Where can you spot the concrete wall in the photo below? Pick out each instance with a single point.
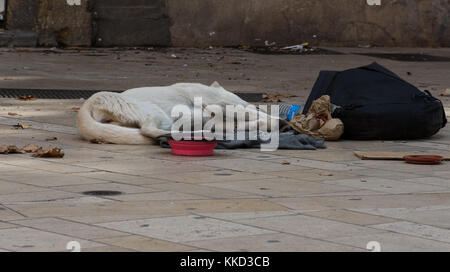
(59, 23)
(325, 22)
(233, 22)
(54, 21)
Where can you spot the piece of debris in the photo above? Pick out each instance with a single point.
(75, 109)
(326, 174)
(270, 44)
(98, 142)
(296, 48)
(51, 139)
(318, 121)
(26, 98)
(285, 163)
(12, 149)
(31, 148)
(12, 114)
(276, 97)
(446, 92)
(20, 126)
(386, 155)
(51, 152)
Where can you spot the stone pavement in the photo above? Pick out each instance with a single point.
(238, 200)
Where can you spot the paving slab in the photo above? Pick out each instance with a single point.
(395, 242)
(140, 209)
(212, 176)
(351, 217)
(307, 226)
(31, 240)
(185, 228)
(46, 196)
(364, 201)
(443, 182)
(418, 230)
(438, 216)
(313, 175)
(248, 165)
(388, 185)
(272, 243)
(7, 225)
(279, 187)
(46, 179)
(317, 164)
(204, 190)
(103, 176)
(69, 228)
(145, 244)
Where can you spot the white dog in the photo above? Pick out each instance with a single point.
(139, 116)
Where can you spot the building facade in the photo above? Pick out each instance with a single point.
(225, 23)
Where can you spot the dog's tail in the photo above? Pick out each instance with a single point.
(114, 107)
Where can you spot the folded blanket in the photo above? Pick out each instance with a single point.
(288, 140)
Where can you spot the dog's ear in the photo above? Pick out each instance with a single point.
(216, 85)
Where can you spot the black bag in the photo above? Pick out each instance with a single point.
(378, 105)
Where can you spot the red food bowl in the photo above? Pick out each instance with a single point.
(423, 159)
(193, 148)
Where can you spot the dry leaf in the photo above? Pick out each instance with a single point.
(285, 163)
(51, 152)
(75, 109)
(12, 114)
(446, 92)
(12, 149)
(27, 98)
(276, 97)
(31, 148)
(4, 149)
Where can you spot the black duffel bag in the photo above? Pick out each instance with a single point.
(376, 104)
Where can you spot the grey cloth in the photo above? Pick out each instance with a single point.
(288, 140)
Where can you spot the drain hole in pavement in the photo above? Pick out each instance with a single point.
(102, 193)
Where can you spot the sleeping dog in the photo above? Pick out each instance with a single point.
(140, 116)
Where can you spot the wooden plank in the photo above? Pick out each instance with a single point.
(386, 155)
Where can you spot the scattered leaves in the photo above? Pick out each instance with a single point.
(12, 149)
(26, 98)
(39, 152)
(31, 148)
(51, 152)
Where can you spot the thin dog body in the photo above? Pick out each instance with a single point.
(140, 116)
